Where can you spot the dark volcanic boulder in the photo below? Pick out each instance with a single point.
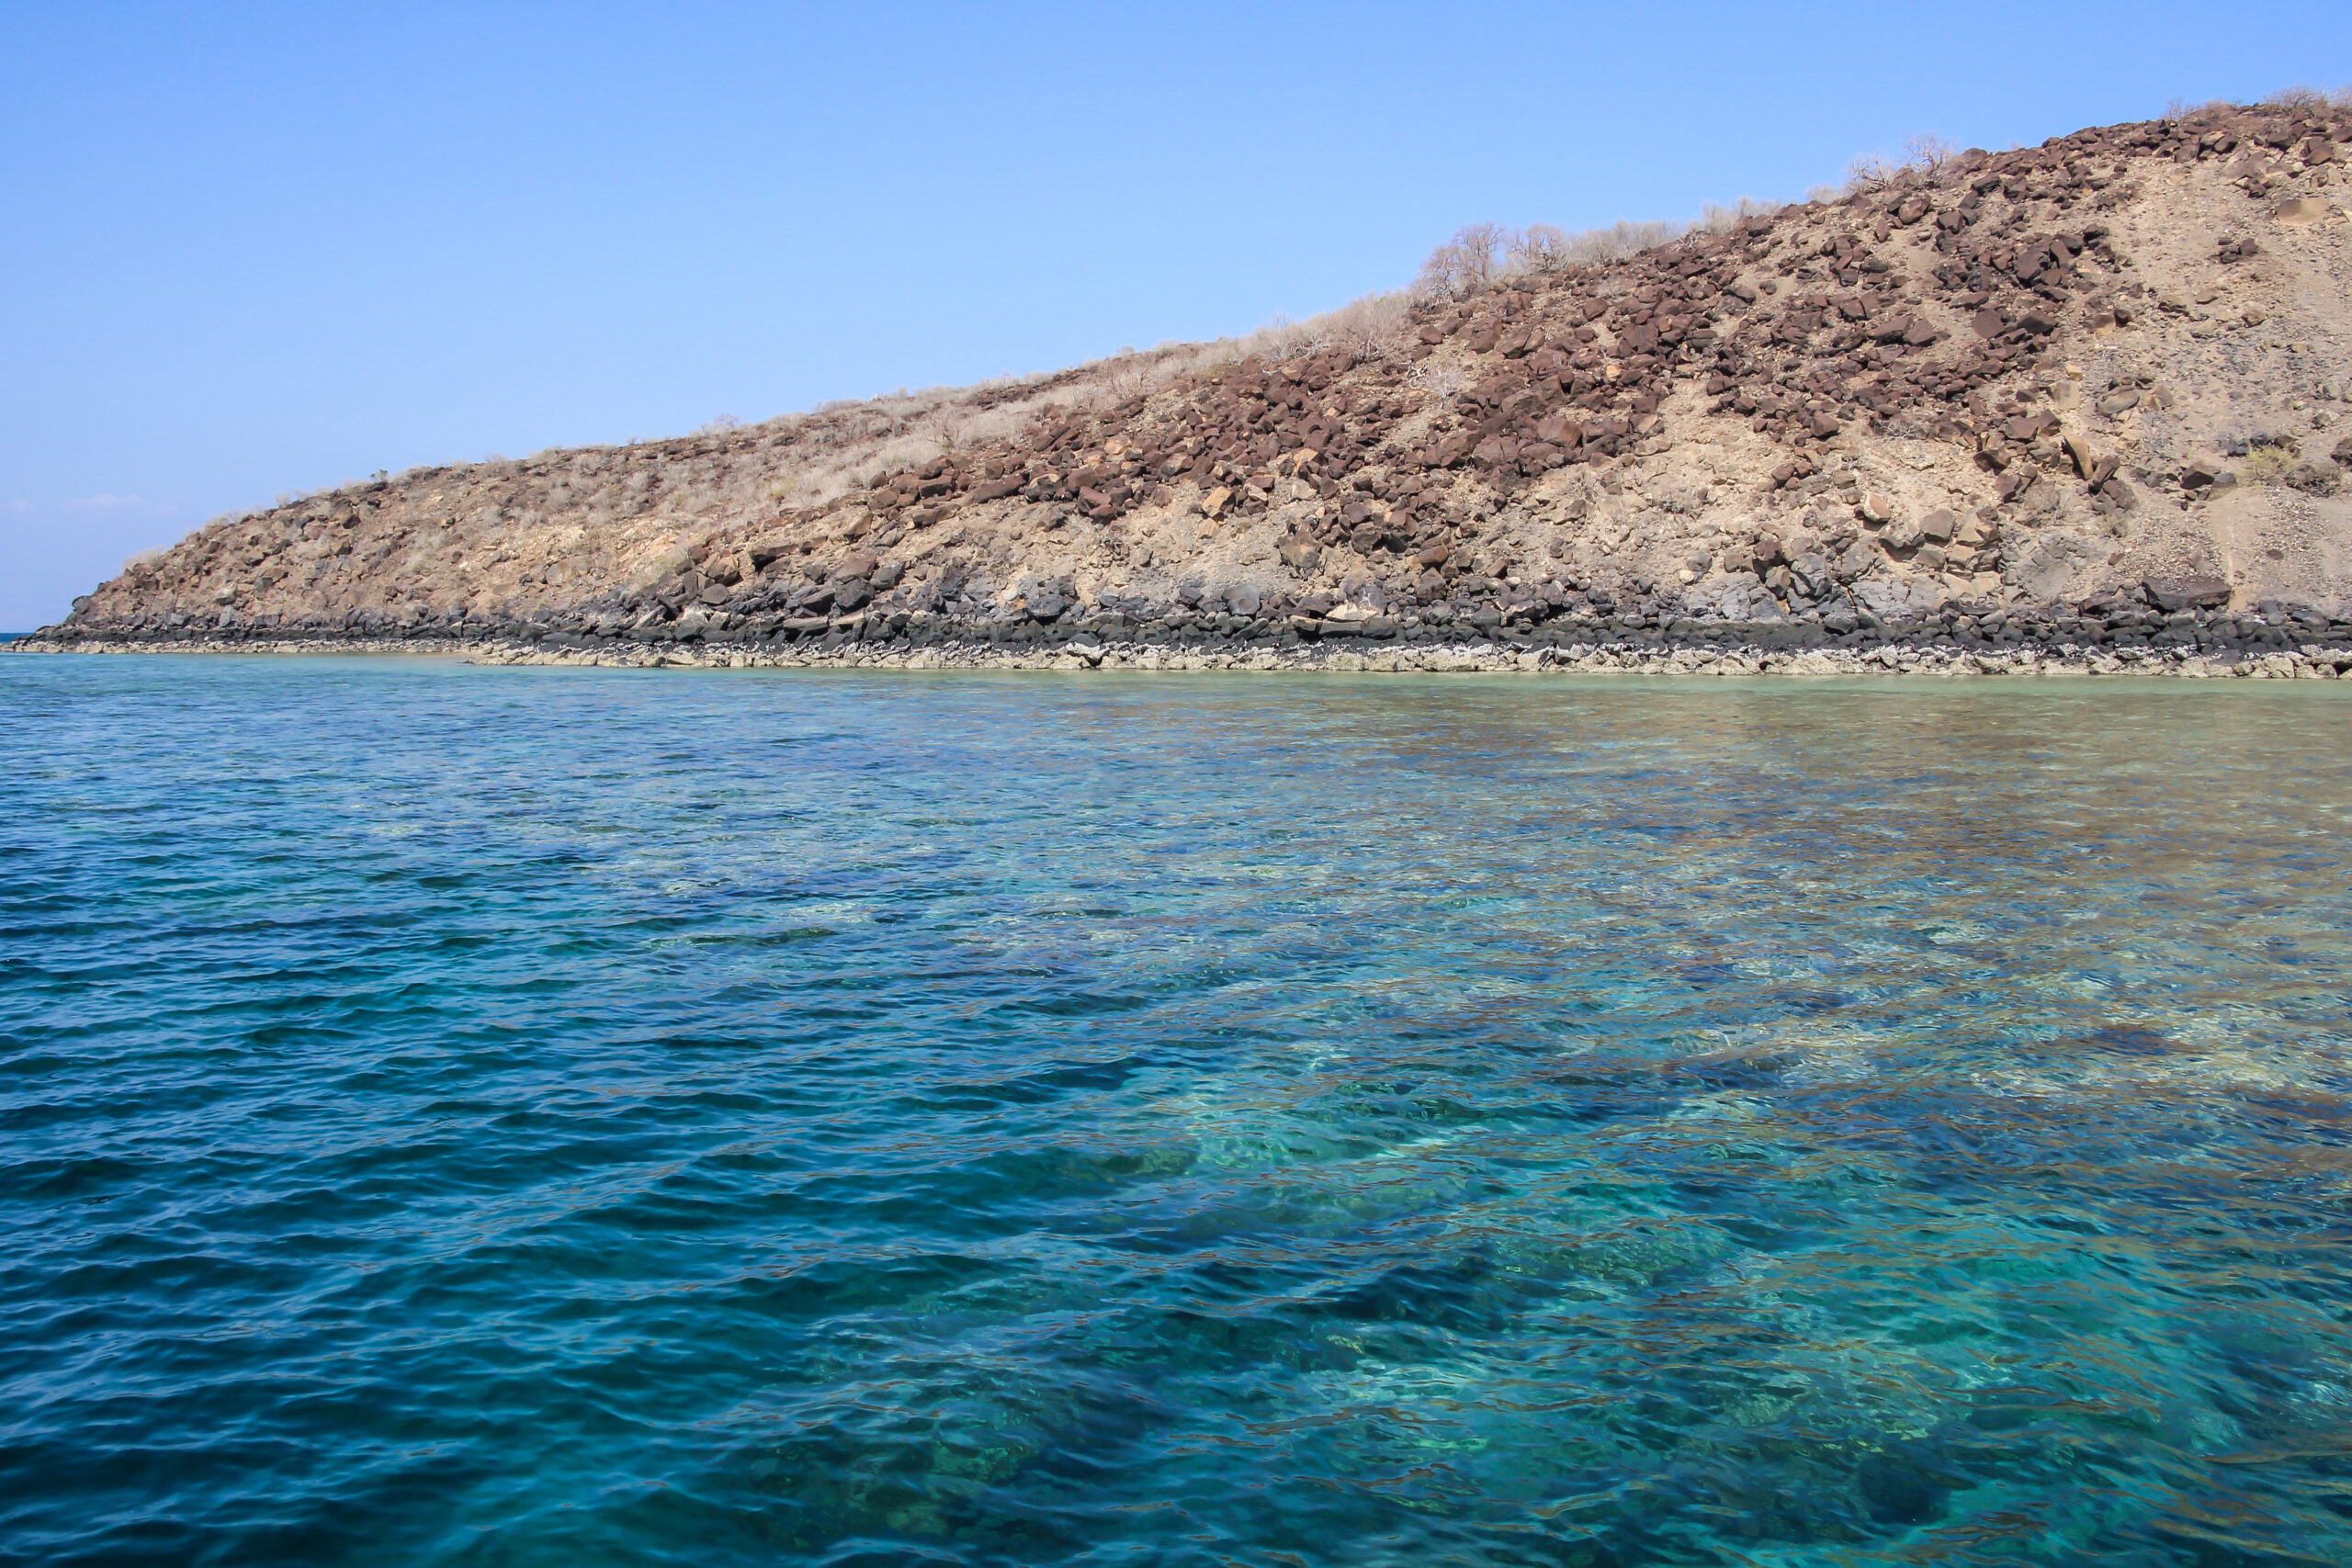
(2188, 592)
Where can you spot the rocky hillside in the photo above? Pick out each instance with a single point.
(2096, 380)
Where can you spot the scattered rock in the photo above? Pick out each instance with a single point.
(2188, 592)
(2095, 469)
(2312, 478)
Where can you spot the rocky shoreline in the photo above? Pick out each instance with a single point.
(2082, 397)
(2055, 642)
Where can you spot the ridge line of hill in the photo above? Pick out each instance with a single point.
(2093, 381)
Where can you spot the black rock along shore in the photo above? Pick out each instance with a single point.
(2115, 639)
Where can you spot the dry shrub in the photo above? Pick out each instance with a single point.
(1872, 172)
(1464, 264)
(1928, 153)
(1482, 254)
(2299, 100)
(1439, 381)
(1619, 240)
(2267, 459)
(1369, 328)
(1716, 217)
(1924, 155)
(1539, 248)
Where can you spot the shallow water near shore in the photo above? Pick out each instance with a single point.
(514, 1117)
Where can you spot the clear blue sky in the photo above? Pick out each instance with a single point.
(253, 249)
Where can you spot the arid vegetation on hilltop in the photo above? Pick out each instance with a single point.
(1969, 385)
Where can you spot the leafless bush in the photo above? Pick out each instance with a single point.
(1125, 375)
(1928, 153)
(1871, 172)
(1441, 275)
(1278, 337)
(1482, 246)
(1439, 381)
(993, 424)
(2297, 100)
(1538, 248)
(1368, 328)
(1716, 217)
(1598, 247)
(1925, 153)
(1470, 260)
(1464, 264)
(946, 429)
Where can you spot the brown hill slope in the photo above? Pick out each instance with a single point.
(2101, 377)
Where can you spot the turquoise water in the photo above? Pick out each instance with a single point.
(586, 1117)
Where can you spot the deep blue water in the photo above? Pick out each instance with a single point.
(593, 1117)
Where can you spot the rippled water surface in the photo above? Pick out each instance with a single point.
(586, 1117)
